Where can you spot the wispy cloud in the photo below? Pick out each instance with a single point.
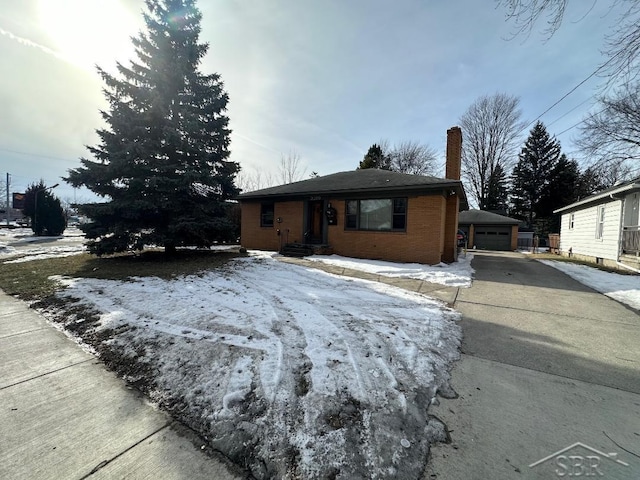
(32, 44)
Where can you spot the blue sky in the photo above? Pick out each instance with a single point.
(322, 79)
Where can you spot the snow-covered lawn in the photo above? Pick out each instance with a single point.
(623, 288)
(20, 242)
(457, 274)
(290, 371)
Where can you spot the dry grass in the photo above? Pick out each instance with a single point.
(31, 280)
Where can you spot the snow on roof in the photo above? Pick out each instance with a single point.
(478, 217)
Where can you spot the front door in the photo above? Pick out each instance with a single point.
(315, 223)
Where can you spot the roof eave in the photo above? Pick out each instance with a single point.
(425, 188)
(599, 196)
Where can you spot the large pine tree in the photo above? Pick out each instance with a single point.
(532, 174)
(162, 163)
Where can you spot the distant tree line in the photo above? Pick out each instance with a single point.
(530, 184)
(405, 157)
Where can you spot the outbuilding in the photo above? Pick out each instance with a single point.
(489, 231)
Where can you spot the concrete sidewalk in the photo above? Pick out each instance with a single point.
(63, 416)
(447, 294)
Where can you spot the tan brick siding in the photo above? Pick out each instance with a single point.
(421, 243)
(450, 238)
(514, 237)
(255, 237)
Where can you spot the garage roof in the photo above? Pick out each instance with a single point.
(482, 217)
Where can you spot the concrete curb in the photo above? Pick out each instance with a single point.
(63, 415)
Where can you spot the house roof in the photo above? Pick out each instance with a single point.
(607, 194)
(482, 217)
(359, 182)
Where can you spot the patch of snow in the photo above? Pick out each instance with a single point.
(457, 274)
(47, 252)
(623, 288)
(297, 373)
(21, 242)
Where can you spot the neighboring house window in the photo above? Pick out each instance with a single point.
(382, 214)
(572, 218)
(600, 225)
(266, 215)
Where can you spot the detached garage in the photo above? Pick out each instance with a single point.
(489, 231)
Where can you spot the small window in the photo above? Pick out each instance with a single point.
(572, 219)
(351, 215)
(600, 224)
(266, 215)
(399, 213)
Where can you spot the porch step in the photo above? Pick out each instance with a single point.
(297, 250)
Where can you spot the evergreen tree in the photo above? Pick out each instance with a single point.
(590, 182)
(532, 174)
(561, 190)
(44, 210)
(162, 164)
(497, 191)
(375, 158)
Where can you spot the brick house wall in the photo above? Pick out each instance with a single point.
(422, 242)
(255, 237)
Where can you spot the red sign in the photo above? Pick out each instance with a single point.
(18, 201)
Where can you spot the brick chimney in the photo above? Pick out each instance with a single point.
(454, 153)
(452, 202)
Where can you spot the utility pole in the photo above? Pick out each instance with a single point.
(8, 210)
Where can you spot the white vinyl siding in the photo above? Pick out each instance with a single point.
(582, 237)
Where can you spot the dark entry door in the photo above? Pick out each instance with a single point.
(314, 232)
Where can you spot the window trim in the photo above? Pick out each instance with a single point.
(572, 220)
(600, 222)
(351, 216)
(263, 214)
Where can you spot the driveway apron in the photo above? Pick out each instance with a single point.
(546, 362)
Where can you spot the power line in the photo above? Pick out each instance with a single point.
(572, 90)
(32, 154)
(568, 112)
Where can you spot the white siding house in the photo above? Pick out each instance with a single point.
(605, 227)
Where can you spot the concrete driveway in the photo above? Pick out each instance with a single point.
(547, 362)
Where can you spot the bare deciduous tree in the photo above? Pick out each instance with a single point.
(291, 169)
(411, 157)
(250, 181)
(611, 136)
(622, 47)
(491, 130)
